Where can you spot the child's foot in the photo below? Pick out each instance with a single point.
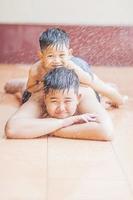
(13, 86)
(117, 98)
(116, 105)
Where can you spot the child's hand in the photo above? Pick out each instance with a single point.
(69, 64)
(80, 119)
(84, 118)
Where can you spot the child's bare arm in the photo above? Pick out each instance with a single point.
(97, 84)
(27, 122)
(85, 78)
(32, 79)
(90, 130)
(99, 129)
(36, 73)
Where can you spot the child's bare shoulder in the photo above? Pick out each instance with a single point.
(35, 68)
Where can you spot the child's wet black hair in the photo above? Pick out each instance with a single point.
(53, 37)
(61, 79)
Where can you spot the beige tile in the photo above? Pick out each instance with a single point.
(9, 100)
(122, 119)
(123, 148)
(8, 106)
(5, 75)
(20, 71)
(8, 72)
(23, 169)
(1, 96)
(83, 189)
(71, 159)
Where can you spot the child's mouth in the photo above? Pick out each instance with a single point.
(61, 115)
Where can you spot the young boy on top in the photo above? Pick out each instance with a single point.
(55, 51)
(62, 97)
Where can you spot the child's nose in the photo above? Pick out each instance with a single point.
(57, 60)
(61, 107)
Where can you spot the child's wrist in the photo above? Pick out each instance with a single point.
(67, 121)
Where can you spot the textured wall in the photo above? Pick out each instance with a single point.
(98, 45)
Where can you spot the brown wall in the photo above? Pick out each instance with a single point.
(98, 45)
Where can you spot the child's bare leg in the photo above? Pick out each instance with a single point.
(109, 91)
(108, 103)
(15, 86)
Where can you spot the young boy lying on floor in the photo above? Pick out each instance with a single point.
(63, 109)
(55, 51)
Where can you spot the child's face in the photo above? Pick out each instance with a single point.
(61, 104)
(54, 56)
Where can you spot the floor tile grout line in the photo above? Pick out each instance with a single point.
(122, 168)
(47, 170)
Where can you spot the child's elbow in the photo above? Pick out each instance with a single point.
(10, 130)
(108, 132)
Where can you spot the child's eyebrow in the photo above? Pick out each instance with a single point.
(53, 98)
(49, 53)
(64, 98)
(68, 98)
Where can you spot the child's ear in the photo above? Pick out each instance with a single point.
(79, 98)
(40, 55)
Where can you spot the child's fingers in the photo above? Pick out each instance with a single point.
(89, 118)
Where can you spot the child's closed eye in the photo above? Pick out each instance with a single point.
(50, 56)
(53, 101)
(68, 101)
(62, 55)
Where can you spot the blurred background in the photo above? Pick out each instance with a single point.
(101, 32)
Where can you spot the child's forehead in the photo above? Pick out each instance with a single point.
(61, 93)
(56, 47)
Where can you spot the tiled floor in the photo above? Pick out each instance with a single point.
(65, 169)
